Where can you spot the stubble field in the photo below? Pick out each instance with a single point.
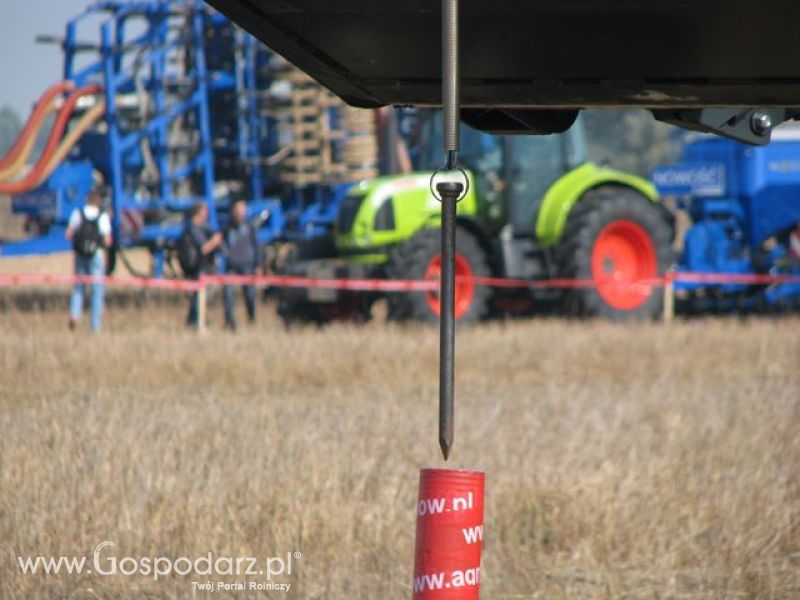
(640, 461)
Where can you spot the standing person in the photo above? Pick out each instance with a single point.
(196, 247)
(243, 257)
(89, 230)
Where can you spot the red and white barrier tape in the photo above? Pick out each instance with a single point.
(48, 280)
(381, 285)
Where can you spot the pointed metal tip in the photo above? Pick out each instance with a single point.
(445, 445)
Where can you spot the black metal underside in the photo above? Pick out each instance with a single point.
(541, 53)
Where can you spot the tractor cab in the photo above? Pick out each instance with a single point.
(511, 174)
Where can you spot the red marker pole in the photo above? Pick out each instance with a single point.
(447, 561)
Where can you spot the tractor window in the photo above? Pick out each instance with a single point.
(576, 148)
(533, 164)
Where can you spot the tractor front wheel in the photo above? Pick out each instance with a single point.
(420, 258)
(622, 242)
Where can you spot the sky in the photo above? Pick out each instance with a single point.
(28, 68)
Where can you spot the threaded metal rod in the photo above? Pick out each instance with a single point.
(450, 77)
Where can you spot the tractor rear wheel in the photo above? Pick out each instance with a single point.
(420, 258)
(616, 237)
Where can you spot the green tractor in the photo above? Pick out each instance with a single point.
(536, 208)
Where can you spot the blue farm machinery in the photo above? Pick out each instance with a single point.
(173, 104)
(743, 204)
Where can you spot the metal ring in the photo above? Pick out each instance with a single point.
(466, 186)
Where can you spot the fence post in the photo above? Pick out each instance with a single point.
(669, 297)
(201, 305)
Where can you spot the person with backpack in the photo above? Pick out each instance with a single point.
(196, 247)
(89, 231)
(243, 257)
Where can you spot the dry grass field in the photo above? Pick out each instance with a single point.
(642, 461)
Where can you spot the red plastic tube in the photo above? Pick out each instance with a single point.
(32, 179)
(447, 559)
(33, 124)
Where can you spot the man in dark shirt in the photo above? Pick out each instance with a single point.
(243, 257)
(206, 242)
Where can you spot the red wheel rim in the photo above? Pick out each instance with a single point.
(465, 287)
(623, 254)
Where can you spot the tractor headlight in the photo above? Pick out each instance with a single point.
(384, 218)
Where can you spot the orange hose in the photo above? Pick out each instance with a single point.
(56, 132)
(47, 164)
(64, 115)
(14, 168)
(89, 118)
(45, 102)
(20, 151)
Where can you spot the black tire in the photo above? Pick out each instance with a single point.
(411, 260)
(295, 311)
(353, 308)
(293, 305)
(598, 209)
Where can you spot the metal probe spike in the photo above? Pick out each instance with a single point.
(450, 193)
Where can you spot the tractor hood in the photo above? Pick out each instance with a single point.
(522, 56)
